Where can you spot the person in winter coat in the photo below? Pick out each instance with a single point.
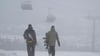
(52, 37)
(30, 37)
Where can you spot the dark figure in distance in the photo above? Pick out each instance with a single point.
(51, 38)
(30, 37)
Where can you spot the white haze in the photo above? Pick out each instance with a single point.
(74, 29)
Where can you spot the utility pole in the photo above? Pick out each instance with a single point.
(93, 34)
(93, 18)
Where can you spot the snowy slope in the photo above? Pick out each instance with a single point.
(44, 53)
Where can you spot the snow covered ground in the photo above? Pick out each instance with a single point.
(44, 53)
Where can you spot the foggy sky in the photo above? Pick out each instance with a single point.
(11, 12)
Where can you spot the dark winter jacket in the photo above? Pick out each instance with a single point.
(30, 35)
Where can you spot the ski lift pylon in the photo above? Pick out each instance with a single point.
(50, 18)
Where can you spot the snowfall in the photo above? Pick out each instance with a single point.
(44, 53)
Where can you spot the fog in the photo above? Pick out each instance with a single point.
(73, 20)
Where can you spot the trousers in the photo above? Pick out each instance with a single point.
(30, 50)
(51, 50)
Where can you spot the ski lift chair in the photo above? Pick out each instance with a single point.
(26, 5)
(50, 18)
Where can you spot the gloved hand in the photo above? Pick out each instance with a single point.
(29, 41)
(58, 43)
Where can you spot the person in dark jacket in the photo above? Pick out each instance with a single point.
(30, 37)
(52, 37)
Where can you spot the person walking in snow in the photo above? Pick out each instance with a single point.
(30, 37)
(52, 37)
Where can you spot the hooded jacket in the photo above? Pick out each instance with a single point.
(30, 35)
(52, 37)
